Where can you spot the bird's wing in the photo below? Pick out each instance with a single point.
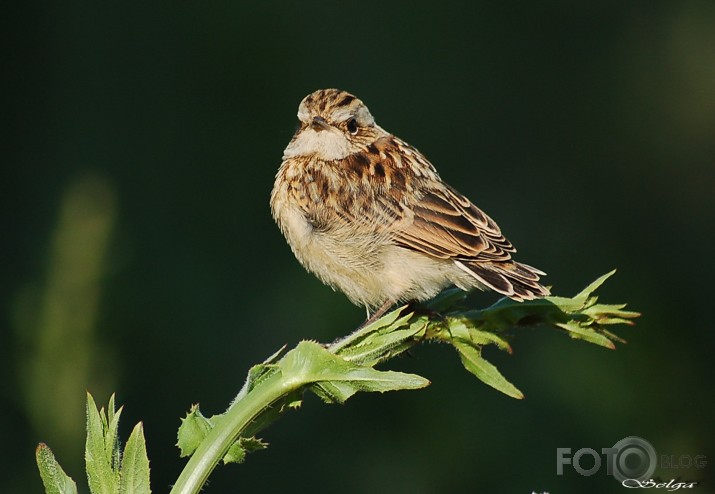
(407, 198)
(399, 194)
(447, 225)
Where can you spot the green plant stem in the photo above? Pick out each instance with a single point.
(228, 428)
(334, 373)
(345, 367)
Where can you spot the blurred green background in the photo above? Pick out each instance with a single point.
(139, 254)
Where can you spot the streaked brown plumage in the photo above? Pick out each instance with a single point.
(369, 215)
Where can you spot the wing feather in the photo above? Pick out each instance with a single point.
(420, 212)
(410, 203)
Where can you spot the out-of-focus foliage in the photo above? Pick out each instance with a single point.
(110, 468)
(584, 128)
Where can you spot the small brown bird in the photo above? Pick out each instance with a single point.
(369, 215)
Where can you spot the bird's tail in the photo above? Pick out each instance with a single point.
(515, 280)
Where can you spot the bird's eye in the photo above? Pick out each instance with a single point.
(352, 126)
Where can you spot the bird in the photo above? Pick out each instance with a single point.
(369, 215)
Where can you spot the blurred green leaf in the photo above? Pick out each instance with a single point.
(134, 477)
(55, 480)
(101, 449)
(107, 471)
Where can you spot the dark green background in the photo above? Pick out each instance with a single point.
(586, 129)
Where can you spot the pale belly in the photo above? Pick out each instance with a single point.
(367, 267)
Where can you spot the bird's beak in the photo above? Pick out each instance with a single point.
(319, 124)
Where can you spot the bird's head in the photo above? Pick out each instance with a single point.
(333, 125)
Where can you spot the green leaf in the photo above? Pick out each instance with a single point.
(290, 401)
(472, 360)
(134, 478)
(382, 345)
(335, 379)
(390, 322)
(343, 368)
(578, 332)
(110, 422)
(259, 373)
(593, 286)
(55, 480)
(194, 428)
(238, 451)
(465, 330)
(252, 444)
(101, 455)
(606, 314)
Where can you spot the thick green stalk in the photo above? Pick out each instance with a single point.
(335, 373)
(229, 427)
(339, 370)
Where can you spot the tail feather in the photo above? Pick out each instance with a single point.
(515, 280)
